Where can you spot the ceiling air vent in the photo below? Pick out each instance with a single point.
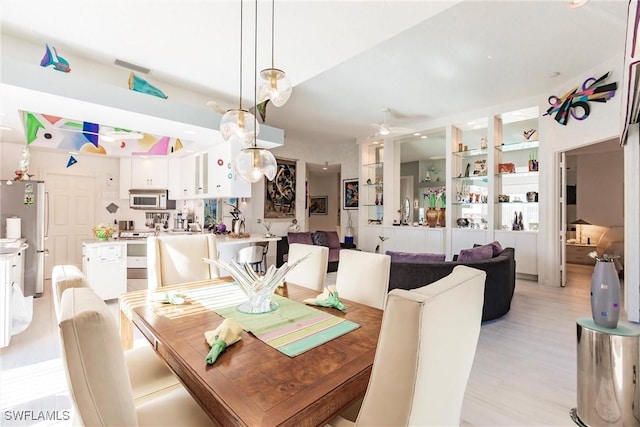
(131, 66)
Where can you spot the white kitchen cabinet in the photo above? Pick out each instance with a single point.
(143, 174)
(525, 244)
(149, 173)
(187, 181)
(223, 179)
(174, 175)
(201, 174)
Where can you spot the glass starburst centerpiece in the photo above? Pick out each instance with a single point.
(258, 288)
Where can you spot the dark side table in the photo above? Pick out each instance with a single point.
(608, 362)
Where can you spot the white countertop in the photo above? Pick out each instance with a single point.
(225, 239)
(10, 247)
(103, 242)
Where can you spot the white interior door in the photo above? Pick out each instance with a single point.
(71, 218)
(563, 218)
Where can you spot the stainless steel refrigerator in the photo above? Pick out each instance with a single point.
(27, 201)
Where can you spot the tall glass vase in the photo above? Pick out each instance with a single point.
(605, 295)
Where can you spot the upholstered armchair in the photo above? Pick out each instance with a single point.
(98, 375)
(363, 277)
(149, 375)
(425, 352)
(312, 272)
(178, 259)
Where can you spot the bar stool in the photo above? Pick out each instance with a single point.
(251, 255)
(265, 249)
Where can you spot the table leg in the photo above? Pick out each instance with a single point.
(126, 331)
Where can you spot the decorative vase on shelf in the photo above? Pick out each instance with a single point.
(441, 217)
(605, 294)
(377, 201)
(382, 199)
(432, 217)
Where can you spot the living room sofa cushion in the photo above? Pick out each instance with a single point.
(477, 253)
(304, 238)
(333, 241)
(496, 247)
(419, 257)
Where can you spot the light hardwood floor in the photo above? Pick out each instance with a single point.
(524, 373)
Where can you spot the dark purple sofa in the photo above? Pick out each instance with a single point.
(320, 238)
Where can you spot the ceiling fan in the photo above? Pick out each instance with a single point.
(384, 129)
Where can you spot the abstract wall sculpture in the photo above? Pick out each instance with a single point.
(593, 90)
(45, 130)
(51, 58)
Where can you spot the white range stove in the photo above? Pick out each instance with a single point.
(136, 252)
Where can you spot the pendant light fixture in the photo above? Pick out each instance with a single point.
(275, 85)
(239, 125)
(254, 162)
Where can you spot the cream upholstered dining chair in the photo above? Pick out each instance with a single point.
(425, 352)
(178, 259)
(149, 375)
(363, 277)
(312, 272)
(98, 376)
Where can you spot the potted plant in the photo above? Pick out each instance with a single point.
(605, 291)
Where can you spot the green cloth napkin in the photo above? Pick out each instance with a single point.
(227, 333)
(328, 298)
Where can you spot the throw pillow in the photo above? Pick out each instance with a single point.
(320, 238)
(496, 247)
(477, 253)
(417, 258)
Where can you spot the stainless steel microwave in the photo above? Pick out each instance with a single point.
(150, 199)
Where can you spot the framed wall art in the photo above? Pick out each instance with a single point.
(318, 205)
(280, 194)
(350, 193)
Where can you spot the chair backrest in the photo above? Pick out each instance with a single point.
(312, 272)
(64, 277)
(363, 277)
(425, 352)
(96, 370)
(250, 254)
(178, 259)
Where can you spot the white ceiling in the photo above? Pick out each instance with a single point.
(347, 59)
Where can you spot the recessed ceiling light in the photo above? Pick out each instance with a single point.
(416, 134)
(375, 143)
(6, 128)
(489, 57)
(424, 137)
(577, 3)
(73, 153)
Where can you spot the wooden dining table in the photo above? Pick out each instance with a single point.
(251, 383)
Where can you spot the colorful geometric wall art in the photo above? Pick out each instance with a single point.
(593, 90)
(48, 131)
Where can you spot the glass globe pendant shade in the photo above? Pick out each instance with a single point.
(253, 163)
(239, 126)
(274, 86)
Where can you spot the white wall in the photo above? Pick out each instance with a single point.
(344, 153)
(600, 189)
(325, 185)
(105, 170)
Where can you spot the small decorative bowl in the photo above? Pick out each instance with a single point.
(103, 233)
